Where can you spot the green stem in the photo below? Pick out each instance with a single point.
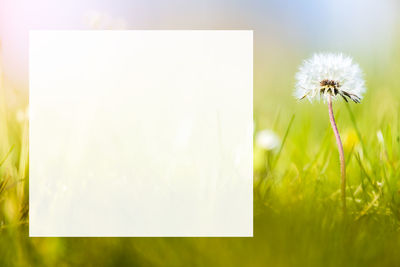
(341, 153)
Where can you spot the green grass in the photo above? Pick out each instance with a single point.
(297, 211)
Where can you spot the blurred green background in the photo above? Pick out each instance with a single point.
(297, 211)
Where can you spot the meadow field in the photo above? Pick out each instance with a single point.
(298, 218)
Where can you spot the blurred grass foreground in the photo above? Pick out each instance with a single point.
(297, 211)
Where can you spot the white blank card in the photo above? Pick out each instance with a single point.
(141, 133)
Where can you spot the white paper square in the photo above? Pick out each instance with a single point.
(141, 133)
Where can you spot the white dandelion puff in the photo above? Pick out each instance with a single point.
(330, 74)
(327, 76)
(267, 140)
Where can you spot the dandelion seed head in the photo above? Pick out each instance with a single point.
(329, 74)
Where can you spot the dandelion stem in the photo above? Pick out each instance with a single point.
(341, 153)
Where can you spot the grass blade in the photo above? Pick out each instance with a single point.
(283, 141)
